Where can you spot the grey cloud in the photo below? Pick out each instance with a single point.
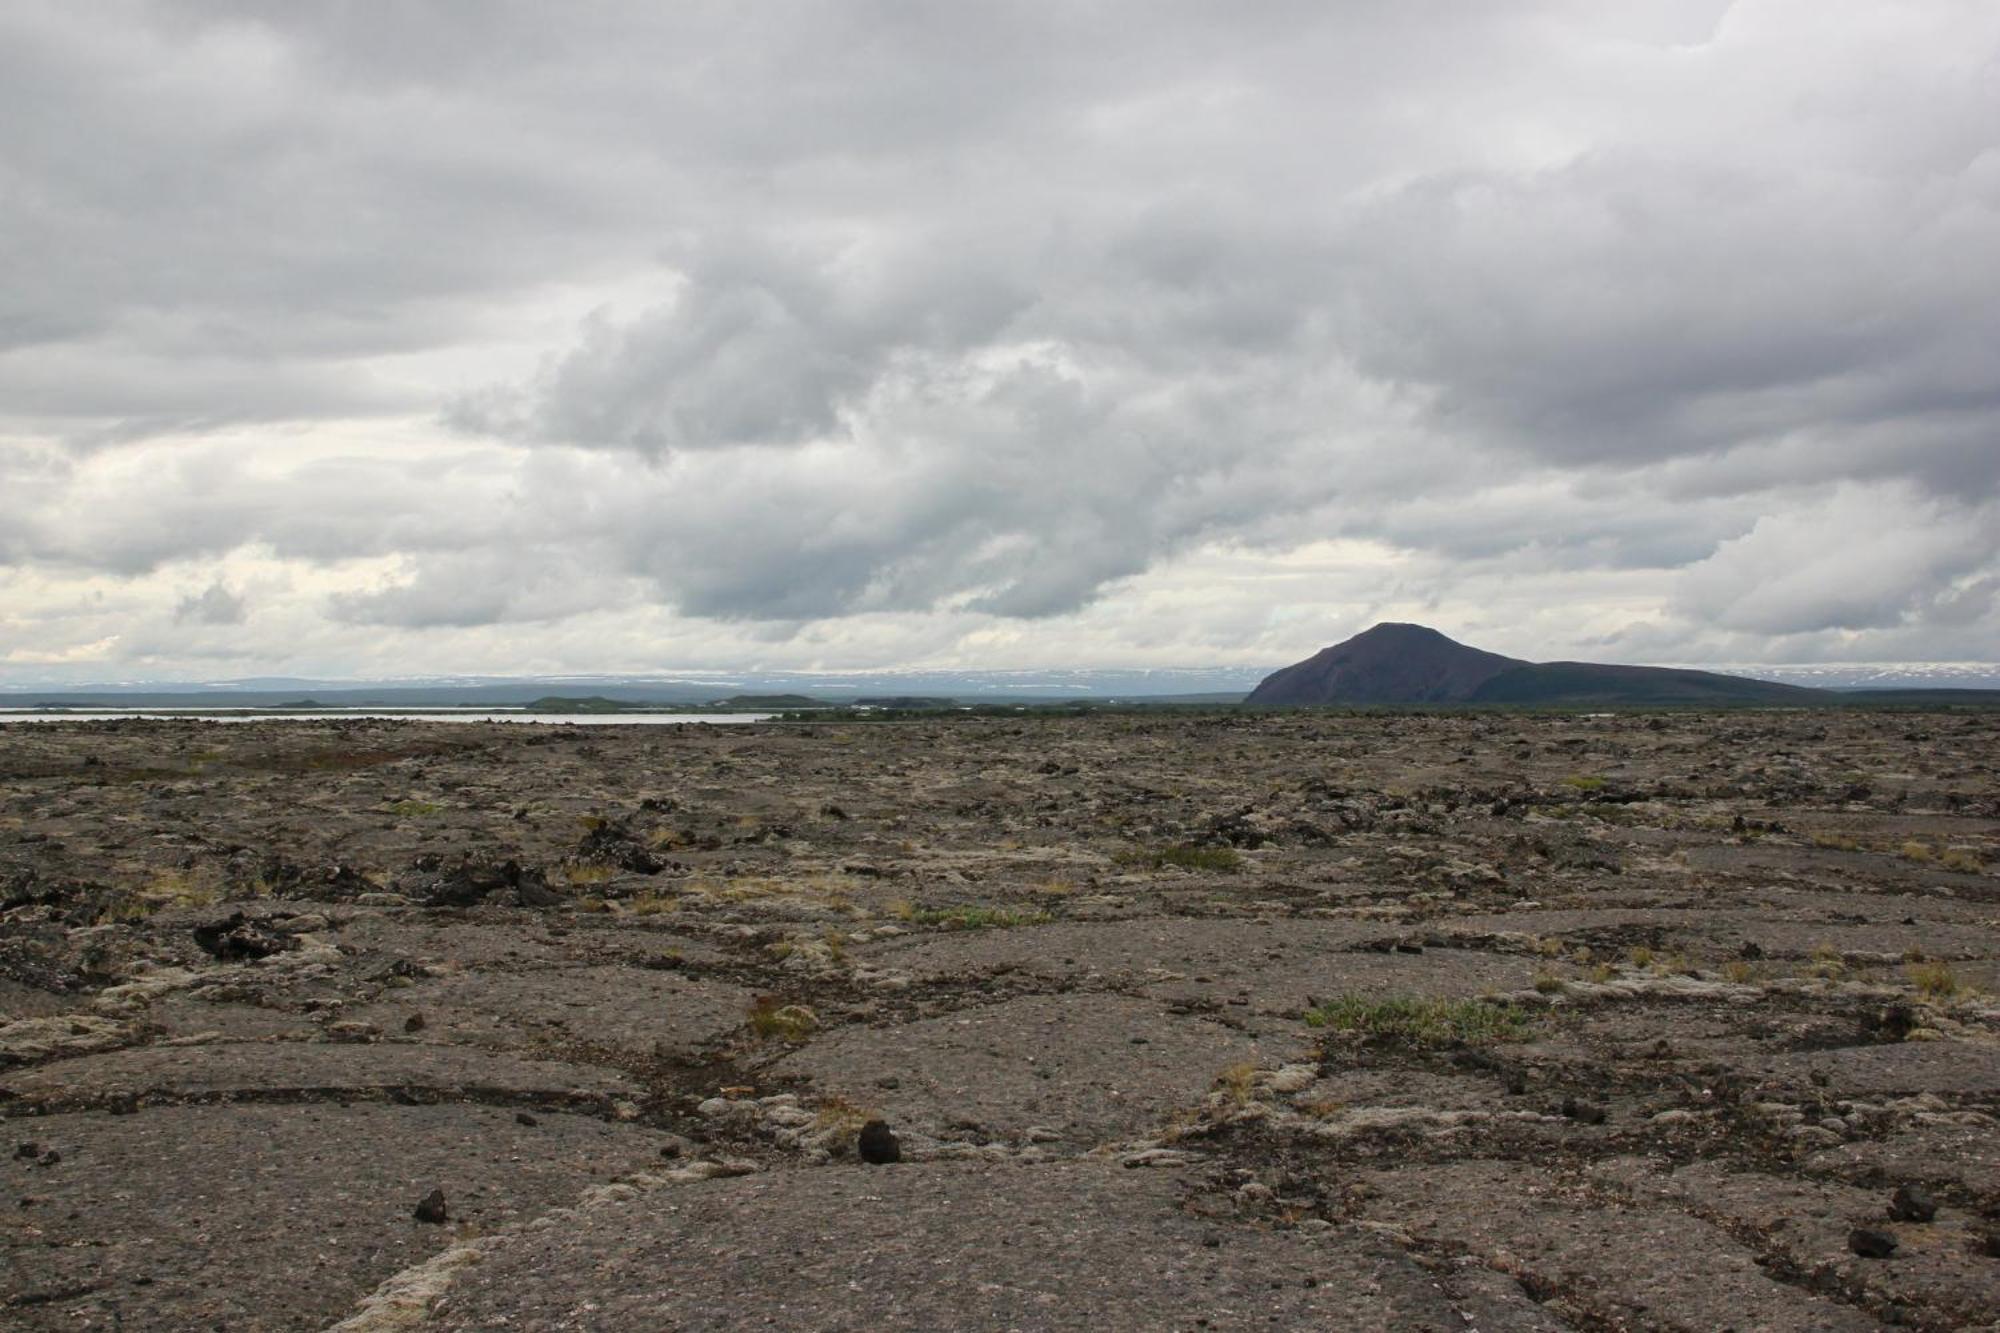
(1554, 290)
(213, 605)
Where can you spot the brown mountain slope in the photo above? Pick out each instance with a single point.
(1387, 664)
(1410, 664)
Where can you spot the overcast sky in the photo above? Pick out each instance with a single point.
(366, 339)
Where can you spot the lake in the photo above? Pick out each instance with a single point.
(455, 715)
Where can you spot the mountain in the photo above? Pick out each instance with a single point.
(1410, 664)
(1389, 664)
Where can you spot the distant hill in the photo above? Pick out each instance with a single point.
(569, 703)
(1409, 664)
(1589, 682)
(1389, 664)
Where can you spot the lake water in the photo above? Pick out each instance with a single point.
(456, 715)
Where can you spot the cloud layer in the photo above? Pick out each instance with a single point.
(376, 337)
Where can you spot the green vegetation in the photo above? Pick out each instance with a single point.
(1934, 979)
(1421, 1024)
(1184, 856)
(1584, 782)
(415, 809)
(971, 918)
(563, 703)
(773, 1020)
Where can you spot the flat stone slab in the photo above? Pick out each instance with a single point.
(268, 1067)
(1093, 1068)
(627, 1008)
(1944, 1067)
(1122, 951)
(269, 1217)
(1292, 982)
(1967, 1156)
(509, 938)
(1937, 1264)
(1069, 1246)
(1269, 966)
(1622, 1266)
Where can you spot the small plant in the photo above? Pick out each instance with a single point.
(589, 872)
(415, 809)
(1740, 972)
(1835, 842)
(653, 903)
(1920, 852)
(1584, 782)
(1421, 1024)
(1935, 980)
(1549, 982)
(1183, 856)
(1827, 963)
(1237, 1081)
(1602, 973)
(1961, 859)
(1641, 956)
(168, 888)
(771, 1019)
(838, 1115)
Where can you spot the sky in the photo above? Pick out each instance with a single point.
(374, 338)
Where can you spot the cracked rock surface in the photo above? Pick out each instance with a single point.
(1496, 1021)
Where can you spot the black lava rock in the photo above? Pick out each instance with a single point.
(432, 1209)
(1870, 1243)
(878, 1144)
(237, 938)
(1912, 1203)
(1586, 1113)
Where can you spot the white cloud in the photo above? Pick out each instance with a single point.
(475, 334)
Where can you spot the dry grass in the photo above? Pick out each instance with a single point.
(836, 1114)
(1237, 1081)
(1422, 1024)
(1182, 856)
(771, 1019)
(973, 918)
(1934, 980)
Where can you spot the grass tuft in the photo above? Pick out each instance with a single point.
(972, 918)
(773, 1020)
(1422, 1024)
(1183, 856)
(1934, 979)
(415, 809)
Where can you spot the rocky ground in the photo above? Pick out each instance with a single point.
(1489, 1022)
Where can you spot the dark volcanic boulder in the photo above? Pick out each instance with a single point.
(474, 881)
(1387, 664)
